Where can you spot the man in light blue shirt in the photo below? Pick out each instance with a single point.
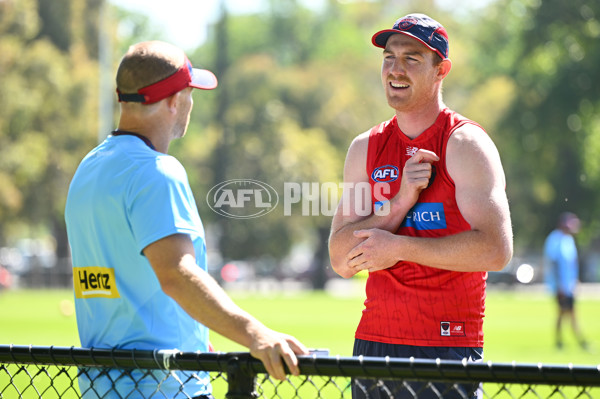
(137, 241)
(561, 263)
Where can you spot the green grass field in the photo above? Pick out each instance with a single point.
(518, 325)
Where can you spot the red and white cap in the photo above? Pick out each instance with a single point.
(185, 76)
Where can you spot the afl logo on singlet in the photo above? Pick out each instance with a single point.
(385, 174)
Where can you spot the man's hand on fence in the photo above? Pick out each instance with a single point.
(270, 347)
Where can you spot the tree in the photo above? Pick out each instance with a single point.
(47, 100)
(550, 132)
(285, 111)
(295, 88)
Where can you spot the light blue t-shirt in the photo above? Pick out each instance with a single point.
(123, 197)
(561, 262)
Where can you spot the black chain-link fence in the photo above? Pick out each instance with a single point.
(56, 372)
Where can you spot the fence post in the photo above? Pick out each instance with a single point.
(241, 380)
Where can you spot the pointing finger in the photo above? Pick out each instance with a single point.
(425, 156)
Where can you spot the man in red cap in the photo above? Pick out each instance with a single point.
(440, 217)
(138, 246)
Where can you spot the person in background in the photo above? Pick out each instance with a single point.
(561, 269)
(138, 244)
(439, 216)
(5, 278)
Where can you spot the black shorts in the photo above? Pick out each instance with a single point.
(384, 389)
(565, 302)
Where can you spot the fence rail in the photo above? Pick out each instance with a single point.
(35, 371)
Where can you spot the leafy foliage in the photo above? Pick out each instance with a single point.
(46, 117)
(549, 133)
(296, 86)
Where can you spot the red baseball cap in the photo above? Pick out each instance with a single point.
(185, 76)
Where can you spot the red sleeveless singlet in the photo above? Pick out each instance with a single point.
(412, 304)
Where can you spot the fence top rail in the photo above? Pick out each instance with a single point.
(375, 367)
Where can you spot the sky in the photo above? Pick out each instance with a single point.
(185, 22)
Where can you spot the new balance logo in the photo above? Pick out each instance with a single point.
(452, 329)
(410, 151)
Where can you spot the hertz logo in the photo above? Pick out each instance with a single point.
(95, 282)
